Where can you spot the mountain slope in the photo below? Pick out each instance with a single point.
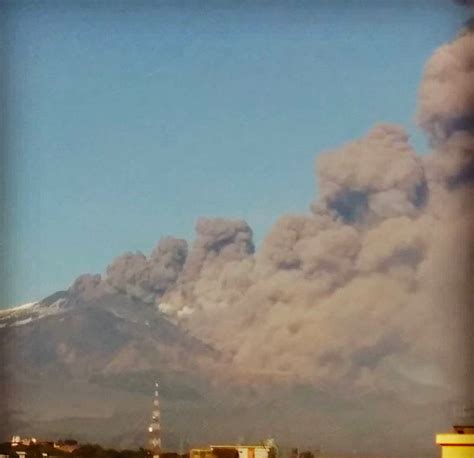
(81, 363)
(71, 357)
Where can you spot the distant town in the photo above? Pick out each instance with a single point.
(31, 447)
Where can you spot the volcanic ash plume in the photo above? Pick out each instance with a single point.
(366, 293)
(446, 102)
(357, 293)
(148, 278)
(218, 241)
(446, 110)
(374, 178)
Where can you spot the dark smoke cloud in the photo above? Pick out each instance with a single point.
(148, 278)
(218, 240)
(376, 177)
(220, 248)
(88, 287)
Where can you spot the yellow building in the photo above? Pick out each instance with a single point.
(459, 444)
(246, 451)
(233, 451)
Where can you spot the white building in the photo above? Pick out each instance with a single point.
(246, 451)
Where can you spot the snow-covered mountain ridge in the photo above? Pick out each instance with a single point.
(26, 313)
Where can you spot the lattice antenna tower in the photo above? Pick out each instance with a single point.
(154, 430)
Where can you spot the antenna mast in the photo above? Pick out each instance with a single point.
(154, 429)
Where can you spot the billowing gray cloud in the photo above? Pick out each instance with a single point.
(376, 177)
(367, 292)
(446, 99)
(148, 278)
(218, 240)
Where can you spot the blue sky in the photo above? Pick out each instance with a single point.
(127, 124)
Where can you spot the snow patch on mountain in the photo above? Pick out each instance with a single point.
(22, 322)
(26, 313)
(17, 310)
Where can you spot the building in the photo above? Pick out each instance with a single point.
(455, 445)
(19, 447)
(460, 442)
(17, 440)
(233, 451)
(68, 445)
